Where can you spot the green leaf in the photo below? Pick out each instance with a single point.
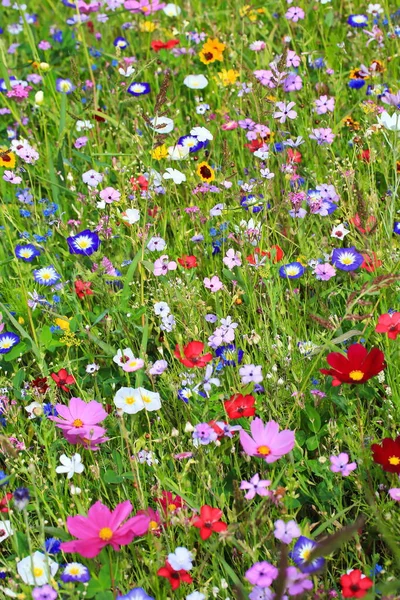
(112, 477)
(105, 596)
(312, 443)
(57, 532)
(314, 420)
(126, 291)
(105, 577)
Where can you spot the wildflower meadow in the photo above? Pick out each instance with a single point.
(199, 300)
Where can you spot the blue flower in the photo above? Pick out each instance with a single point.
(49, 411)
(121, 42)
(191, 142)
(7, 341)
(138, 89)
(21, 498)
(52, 546)
(75, 572)
(136, 594)
(347, 259)
(358, 20)
(229, 355)
(24, 213)
(65, 86)
(86, 242)
(3, 478)
(301, 553)
(396, 227)
(46, 275)
(356, 84)
(291, 270)
(27, 252)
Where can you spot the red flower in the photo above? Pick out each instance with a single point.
(357, 367)
(40, 384)
(240, 406)
(254, 145)
(188, 262)
(139, 183)
(175, 577)
(387, 454)
(63, 379)
(294, 156)
(371, 262)
(390, 324)
(4, 502)
(365, 156)
(192, 355)
(158, 45)
(82, 288)
(355, 584)
(370, 224)
(275, 254)
(169, 502)
(209, 521)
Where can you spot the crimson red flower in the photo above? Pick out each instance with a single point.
(4, 502)
(254, 145)
(294, 156)
(355, 584)
(209, 521)
(275, 254)
(169, 502)
(139, 183)
(357, 367)
(188, 262)
(158, 45)
(390, 324)
(82, 288)
(192, 355)
(40, 384)
(369, 226)
(370, 262)
(387, 454)
(174, 577)
(365, 156)
(240, 406)
(63, 379)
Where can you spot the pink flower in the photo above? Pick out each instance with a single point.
(110, 195)
(214, 284)
(80, 418)
(102, 527)
(10, 177)
(295, 13)
(162, 265)
(324, 104)
(232, 259)
(144, 6)
(267, 442)
(286, 532)
(256, 486)
(394, 493)
(80, 142)
(285, 111)
(340, 464)
(44, 45)
(324, 272)
(258, 46)
(323, 135)
(292, 59)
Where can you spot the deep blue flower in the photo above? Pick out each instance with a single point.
(396, 227)
(86, 242)
(358, 20)
(356, 84)
(24, 213)
(21, 498)
(136, 594)
(3, 478)
(292, 270)
(52, 546)
(301, 553)
(8, 340)
(27, 252)
(75, 572)
(49, 411)
(191, 142)
(230, 355)
(347, 259)
(138, 89)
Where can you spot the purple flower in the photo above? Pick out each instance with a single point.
(259, 593)
(203, 434)
(295, 13)
(324, 272)
(251, 373)
(256, 486)
(80, 142)
(46, 592)
(210, 318)
(324, 104)
(323, 135)
(158, 367)
(297, 582)
(347, 259)
(262, 574)
(292, 83)
(286, 532)
(301, 553)
(86, 242)
(340, 464)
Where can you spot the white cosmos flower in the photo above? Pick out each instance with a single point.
(162, 124)
(176, 176)
(37, 569)
(181, 559)
(128, 72)
(391, 122)
(130, 216)
(5, 530)
(70, 466)
(172, 10)
(133, 400)
(196, 82)
(202, 134)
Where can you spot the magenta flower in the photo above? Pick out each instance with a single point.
(340, 464)
(256, 486)
(323, 135)
(162, 265)
(80, 418)
(147, 7)
(394, 493)
(286, 532)
(262, 574)
(295, 13)
(102, 527)
(267, 441)
(213, 284)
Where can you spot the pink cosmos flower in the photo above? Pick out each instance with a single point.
(147, 7)
(394, 493)
(340, 464)
(80, 418)
(324, 272)
(110, 195)
(102, 527)
(286, 532)
(323, 135)
(267, 441)
(324, 104)
(256, 486)
(284, 111)
(214, 284)
(162, 265)
(295, 13)
(258, 46)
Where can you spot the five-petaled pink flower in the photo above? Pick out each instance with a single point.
(295, 13)
(284, 111)
(267, 441)
(213, 284)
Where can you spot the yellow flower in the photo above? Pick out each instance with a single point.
(147, 26)
(210, 56)
(21, 320)
(205, 172)
(7, 158)
(159, 152)
(244, 10)
(228, 77)
(63, 323)
(215, 45)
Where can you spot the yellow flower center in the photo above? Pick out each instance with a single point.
(46, 276)
(146, 399)
(74, 571)
(356, 375)
(171, 507)
(130, 400)
(263, 450)
(306, 554)
(394, 460)
(77, 423)
(105, 534)
(38, 571)
(153, 525)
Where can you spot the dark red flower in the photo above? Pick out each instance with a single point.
(387, 454)
(365, 156)
(192, 355)
(169, 502)
(152, 212)
(63, 379)
(240, 406)
(4, 503)
(209, 521)
(40, 384)
(357, 367)
(371, 262)
(82, 288)
(174, 577)
(158, 45)
(355, 584)
(390, 324)
(188, 262)
(98, 118)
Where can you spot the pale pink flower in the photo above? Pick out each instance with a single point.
(162, 265)
(284, 111)
(214, 284)
(232, 259)
(295, 13)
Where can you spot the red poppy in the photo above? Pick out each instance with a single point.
(355, 584)
(387, 454)
(254, 145)
(4, 502)
(192, 355)
(169, 502)
(275, 254)
(158, 45)
(357, 367)
(40, 384)
(63, 379)
(369, 226)
(82, 288)
(209, 521)
(294, 156)
(174, 577)
(139, 183)
(240, 406)
(370, 262)
(365, 156)
(390, 324)
(188, 262)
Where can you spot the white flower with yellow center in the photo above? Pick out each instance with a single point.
(133, 400)
(37, 569)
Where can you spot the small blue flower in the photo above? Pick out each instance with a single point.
(138, 89)
(121, 42)
(347, 259)
(358, 20)
(86, 242)
(396, 227)
(65, 86)
(21, 498)
(301, 553)
(136, 594)
(52, 546)
(75, 572)
(27, 253)
(46, 275)
(3, 478)
(191, 142)
(24, 213)
(291, 270)
(356, 84)
(7, 341)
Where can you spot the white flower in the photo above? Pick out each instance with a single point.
(5, 530)
(374, 9)
(178, 152)
(75, 490)
(144, 456)
(202, 134)
(161, 308)
(37, 569)
(196, 82)
(172, 10)
(195, 596)
(92, 368)
(262, 153)
(156, 243)
(34, 409)
(126, 72)
(84, 125)
(339, 231)
(176, 176)
(133, 400)
(266, 174)
(123, 356)
(181, 559)
(130, 216)
(92, 178)
(391, 122)
(70, 466)
(162, 124)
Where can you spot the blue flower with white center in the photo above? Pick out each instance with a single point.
(121, 42)
(301, 553)
(65, 86)
(292, 270)
(396, 227)
(347, 259)
(46, 275)
(7, 341)
(136, 594)
(358, 20)
(75, 572)
(191, 142)
(138, 89)
(86, 242)
(27, 252)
